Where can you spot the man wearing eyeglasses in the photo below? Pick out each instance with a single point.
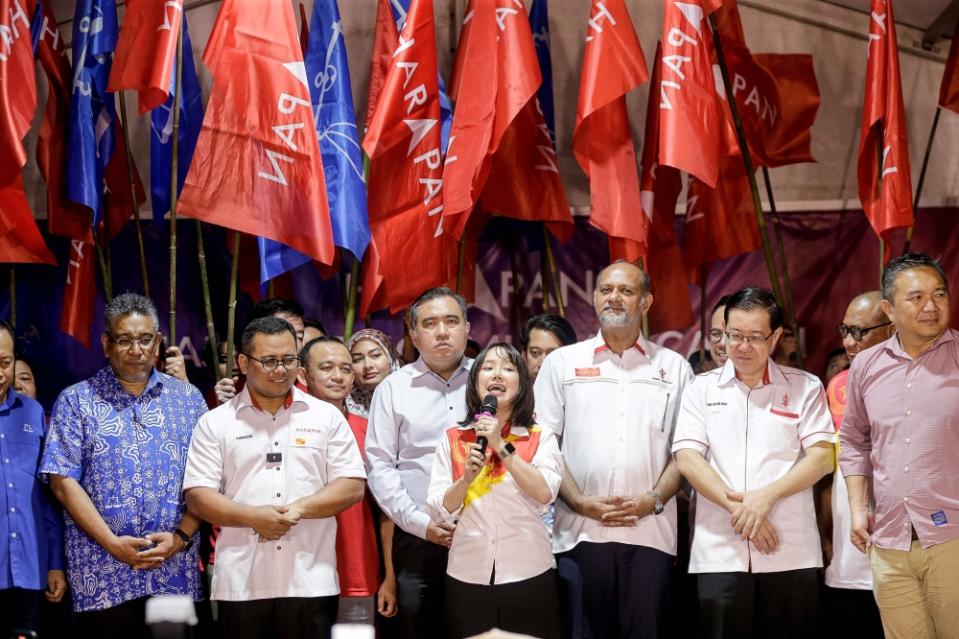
(114, 455)
(900, 443)
(272, 467)
(752, 438)
(847, 598)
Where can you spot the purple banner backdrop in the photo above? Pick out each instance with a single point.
(832, 257)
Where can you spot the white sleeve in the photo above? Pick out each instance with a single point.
(343, 457)
(691, 424)
(204, 461)
(549, 461)
(815, 423)
(441, 478)
(548, 392)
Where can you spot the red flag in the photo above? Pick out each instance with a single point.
(257, 165)
(691, 115)
(613, 65)
(385, 41)
(406, 173)
(79, 294)
(949, 89)
(20, 239)
(18, 87)
(146, 49)
(304, 30)
(659, 189)
(885, 186)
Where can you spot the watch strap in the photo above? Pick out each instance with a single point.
(507, 450)
(658, 505)
(187, 539)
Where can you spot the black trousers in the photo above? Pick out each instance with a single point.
(19, 610)
(773, 605)
(280, 618)
(528, 607)
(613, 590)
(123, 621)
(849, 613)
(420, 568)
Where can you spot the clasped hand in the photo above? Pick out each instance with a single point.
(749, 517)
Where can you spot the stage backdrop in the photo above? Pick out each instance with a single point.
(832, 257)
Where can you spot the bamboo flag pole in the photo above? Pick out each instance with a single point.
(545, 274)
(133, 193)
(104, 267)
(231, 305)
(13, 296)
(922, 177)
(207, 304)
(349, 320)
(554, 274)
(783, 263)
(174, 183)
(748, 162)
(460, 265)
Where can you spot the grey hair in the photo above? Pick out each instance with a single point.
(646, 283)
(428, 296)
(129, 304)
(905, 263)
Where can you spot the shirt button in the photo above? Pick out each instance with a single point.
(905, 499)
(276, 443)
(9, 485)
(278, 494)
(451, 408)
(14, 535)
(13, 510)
(908, 412)
(906, 469)
(278, 468)
(279, 547)
(6, 461)
(908, 385)
(907, 440)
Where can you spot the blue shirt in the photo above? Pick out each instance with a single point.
(128, 453)
(31, 529)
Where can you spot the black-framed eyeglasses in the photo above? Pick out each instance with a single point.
(753, 340)
(858, 332)
(145, 342)
(270, 364)
(715, 336)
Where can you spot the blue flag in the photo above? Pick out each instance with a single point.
(335, 121)
(161, 126)
(92, 109)
(539, 25)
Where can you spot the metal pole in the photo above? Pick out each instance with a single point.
(922, 177)
(174, 183)
(748, 162)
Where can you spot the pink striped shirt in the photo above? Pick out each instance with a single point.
(902, 429)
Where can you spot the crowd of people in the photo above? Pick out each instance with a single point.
(559, 488)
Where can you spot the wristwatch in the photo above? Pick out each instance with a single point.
(658, 505)
(507, 450)
(187, 539)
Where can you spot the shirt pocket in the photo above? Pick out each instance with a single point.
(308, 458)
(655, 403)
(25, 448)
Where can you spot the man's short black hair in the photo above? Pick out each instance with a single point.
(264, 326)
(412, 315)
(322, 339)
(6, 326)
(723, 301)
(275, 306)
(752, 299)
(558, 326)
(315, 323)
(904, 263)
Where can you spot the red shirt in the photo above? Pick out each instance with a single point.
(357, 556)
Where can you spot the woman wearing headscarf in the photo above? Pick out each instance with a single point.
(374, 357)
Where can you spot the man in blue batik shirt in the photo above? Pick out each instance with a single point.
(31, 528)
(115, 455)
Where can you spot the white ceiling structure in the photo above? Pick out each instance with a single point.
(834, 31)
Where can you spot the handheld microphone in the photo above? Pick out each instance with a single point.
(488, 406)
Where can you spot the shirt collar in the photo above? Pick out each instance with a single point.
(599, 345)
(245, 399)
(12, 400)
(895, 347)
(120, 394)
(420, 367)
(773, 374)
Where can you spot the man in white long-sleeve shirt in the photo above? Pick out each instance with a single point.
(409, 413)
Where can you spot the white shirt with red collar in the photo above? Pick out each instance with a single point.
(615, 417)
(311, 445)
(751, 438)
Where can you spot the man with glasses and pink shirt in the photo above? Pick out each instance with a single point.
(899, 446)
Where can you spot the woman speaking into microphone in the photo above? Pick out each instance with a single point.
(501, 569)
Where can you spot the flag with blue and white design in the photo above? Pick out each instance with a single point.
(539, 25)
(92, 108)
(161, 125)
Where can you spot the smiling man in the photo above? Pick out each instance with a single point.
(272, 467)
(612, 400)
(899, 443)
(115, 455)
(410, 411)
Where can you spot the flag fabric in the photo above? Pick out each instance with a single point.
(79, 294)
(539, 25)
(92, 109)
(885, 183)
(161, 130)
(406, 173)
(949, 89)
(146, 51)
(660, 187)
(691, 115)
(613, 65)
(385, 41)
(257, 167)
(20, 239)
(18, 88)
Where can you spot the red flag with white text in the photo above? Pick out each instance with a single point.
(385, 41)
(80, 293)
(613, 65)
(146, 50)
(257, 167)
(885, 183)
(405, 194)
(18, 87)
(691, 114)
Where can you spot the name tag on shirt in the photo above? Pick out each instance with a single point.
(592, 371)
